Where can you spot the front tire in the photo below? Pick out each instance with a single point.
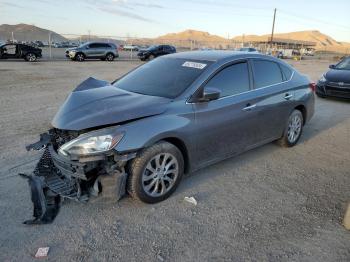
(155, 173)
(293, 129)
(79, 57)
(30, 57)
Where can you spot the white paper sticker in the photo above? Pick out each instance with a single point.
(194, 65)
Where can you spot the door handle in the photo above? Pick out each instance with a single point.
(288, 96)
(249, 107)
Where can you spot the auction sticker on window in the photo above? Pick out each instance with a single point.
(194, 65)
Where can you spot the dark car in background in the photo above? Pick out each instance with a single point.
(93, 50)
(248, 49)
(171, 116)
(155, 51)
(335, 82)
(20, 51)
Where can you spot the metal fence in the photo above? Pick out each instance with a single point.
(54, 45)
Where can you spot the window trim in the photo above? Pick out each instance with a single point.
(251, 77)
(254, 75)
(201, 87)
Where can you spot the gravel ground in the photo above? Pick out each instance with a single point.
(269, 204)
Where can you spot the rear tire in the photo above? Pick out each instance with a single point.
(109, 57)
(151, 57)
(293, 130)
(30, 57)
(155, 173)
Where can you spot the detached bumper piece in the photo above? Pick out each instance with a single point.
(48, 187)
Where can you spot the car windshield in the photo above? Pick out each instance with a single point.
(82, 45)
(152, 47)
(344, 65)
(164, 77)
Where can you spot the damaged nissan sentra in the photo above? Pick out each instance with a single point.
(175, 114)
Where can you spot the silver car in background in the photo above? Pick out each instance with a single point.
(93, 50)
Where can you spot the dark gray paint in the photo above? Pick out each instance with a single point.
(210, 131)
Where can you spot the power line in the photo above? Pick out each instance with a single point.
(311, 19)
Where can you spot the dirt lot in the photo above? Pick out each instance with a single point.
(269, 204)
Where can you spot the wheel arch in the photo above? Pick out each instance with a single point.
(303, 110)
(183, 149)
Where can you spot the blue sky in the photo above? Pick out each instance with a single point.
(150, 18)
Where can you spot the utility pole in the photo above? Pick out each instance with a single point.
(89, 35)
(50, 46)
(273, 27)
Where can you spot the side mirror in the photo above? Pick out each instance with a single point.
(210, 94)
(331, 66)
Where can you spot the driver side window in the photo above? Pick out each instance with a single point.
(231, 80)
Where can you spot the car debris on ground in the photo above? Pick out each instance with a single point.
(191, 200)
(42, 252)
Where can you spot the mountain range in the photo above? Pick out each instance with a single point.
(25, 32)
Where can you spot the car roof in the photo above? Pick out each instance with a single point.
(216, 55)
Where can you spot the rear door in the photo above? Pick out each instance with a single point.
(226, 126)
(93, 50)
(273, 99)
(9, 51)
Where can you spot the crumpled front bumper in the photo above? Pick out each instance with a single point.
(56, 177)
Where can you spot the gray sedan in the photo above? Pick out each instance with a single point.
(171, 116)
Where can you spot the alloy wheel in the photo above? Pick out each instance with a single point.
(294, 128)
(160, 174)
(80, 57)
(31, 57)
(109, 57)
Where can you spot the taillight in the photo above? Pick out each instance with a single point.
(312, 86)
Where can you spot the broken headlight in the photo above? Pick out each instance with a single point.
(92, 143)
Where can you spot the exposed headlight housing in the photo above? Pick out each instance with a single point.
(322, 79)
(92, 143)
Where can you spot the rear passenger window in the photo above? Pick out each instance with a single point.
(266, 73)
(231, 80)
(286, 72)
(93, 46)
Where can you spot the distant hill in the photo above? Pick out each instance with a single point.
(323, 42)
(182, 38)
(24, 32)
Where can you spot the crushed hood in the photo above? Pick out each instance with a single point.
(96, 103)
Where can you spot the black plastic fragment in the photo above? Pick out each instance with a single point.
(46, 203)
(41, 144)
